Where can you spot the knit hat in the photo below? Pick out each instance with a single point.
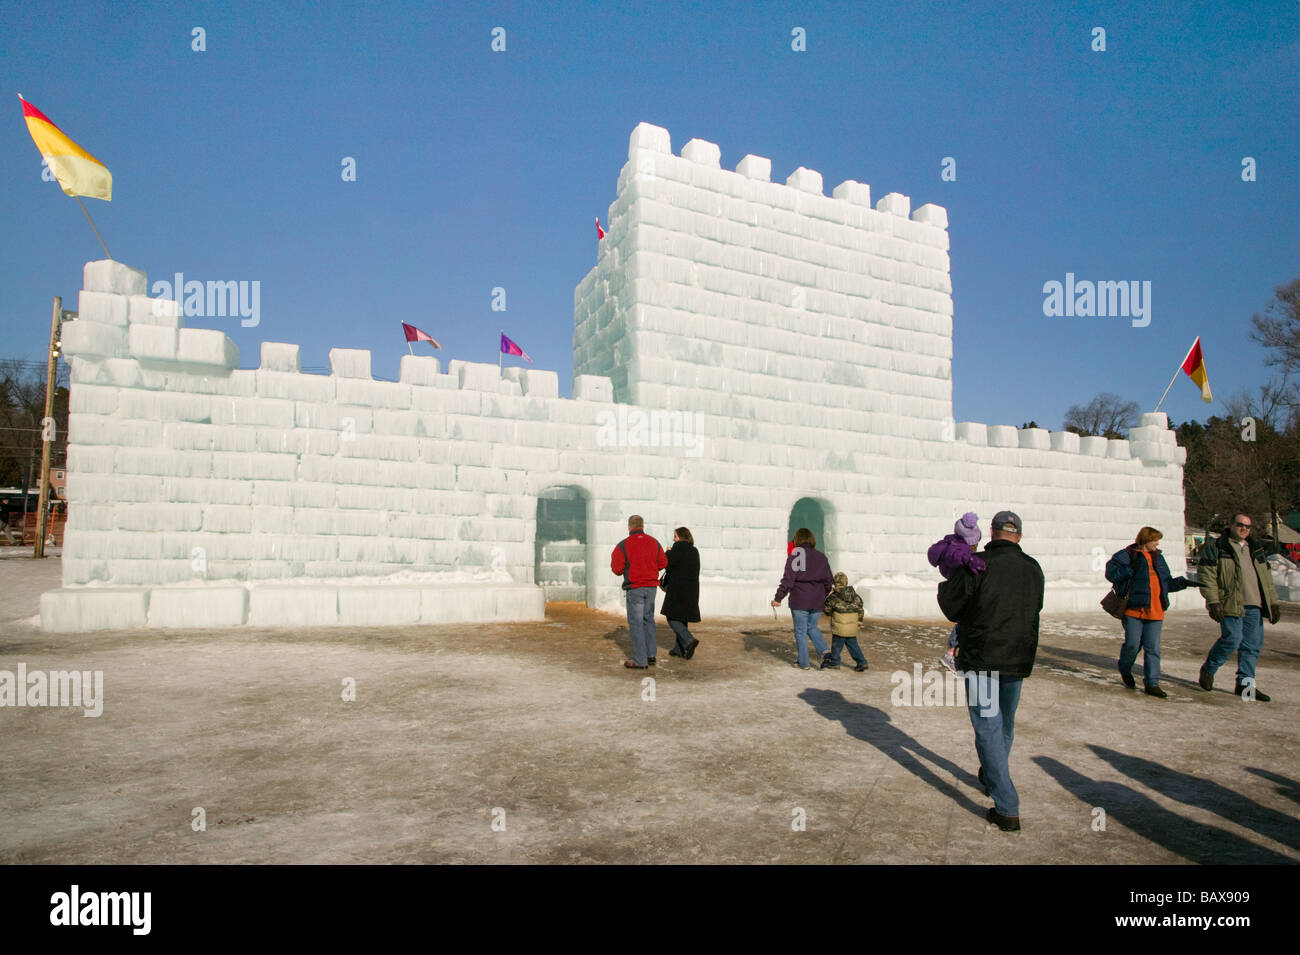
(841, 580)
(968, 528)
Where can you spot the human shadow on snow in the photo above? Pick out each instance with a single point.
(1195, 841)
(1080, 656)
(1108, 666)
(872, 725)
(765, 641)
(1287, 786)
(622, 638)
(1207, 794)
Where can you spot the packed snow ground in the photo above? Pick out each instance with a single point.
(538, 727)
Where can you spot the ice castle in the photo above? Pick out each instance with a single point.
(749, 357)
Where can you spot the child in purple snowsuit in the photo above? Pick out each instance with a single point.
(953, 552)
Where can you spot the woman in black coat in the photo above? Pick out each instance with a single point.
(681, 580)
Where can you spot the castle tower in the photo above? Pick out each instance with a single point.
(725, 293)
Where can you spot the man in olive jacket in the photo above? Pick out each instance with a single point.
(1239, 595)
(997, 640)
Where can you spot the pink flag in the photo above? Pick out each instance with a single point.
(413, 334)
(510, 348)
(600, 233)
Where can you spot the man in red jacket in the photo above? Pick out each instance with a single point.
(638, 558)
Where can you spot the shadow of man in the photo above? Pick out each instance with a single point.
(1207, 794)
(1194, 841)
(1286, 786)
(621, 637)
(874, 726)
(768, 642)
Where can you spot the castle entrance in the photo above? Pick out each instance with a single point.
(561, 543)
(811, 513)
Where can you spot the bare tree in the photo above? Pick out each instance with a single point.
(1269, 453)
(1107, 415)
(22, 408)
(1278, 329)
(1251, 457)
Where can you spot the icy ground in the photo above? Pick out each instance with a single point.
(537, 727)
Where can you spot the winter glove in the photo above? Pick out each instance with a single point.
(1215, 611)
(1274, 614)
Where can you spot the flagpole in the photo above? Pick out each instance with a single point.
(1166, 394)
(410, 349)
(1175, 378)
(500, 356)
(92, 225)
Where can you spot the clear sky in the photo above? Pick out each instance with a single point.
(478, 169)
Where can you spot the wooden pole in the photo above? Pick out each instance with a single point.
(46, 436)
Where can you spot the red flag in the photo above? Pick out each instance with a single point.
(1194, 368)
(413, 334)
(510, 348)
(600, 233)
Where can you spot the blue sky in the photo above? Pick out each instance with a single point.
(479, 169)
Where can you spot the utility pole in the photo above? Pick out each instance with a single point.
(47, 424)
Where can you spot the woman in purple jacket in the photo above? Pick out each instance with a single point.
(807, 580)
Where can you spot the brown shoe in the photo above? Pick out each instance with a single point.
(633, 666)
(1005, 823)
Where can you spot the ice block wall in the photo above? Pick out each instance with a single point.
(707, 393)
(727, 293)
(817, 330)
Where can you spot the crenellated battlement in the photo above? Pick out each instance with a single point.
(650, 155)
(747, 355)
(151, 340)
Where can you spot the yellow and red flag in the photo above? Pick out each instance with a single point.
(78, 172)
(1194, 366)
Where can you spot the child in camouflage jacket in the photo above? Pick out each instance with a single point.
(844, 607)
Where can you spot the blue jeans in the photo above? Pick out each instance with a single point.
(1243, 634)
(641, 623)
(684, 637)
(1142, 635)
(837, 647)
(805, 628)
(992, 702)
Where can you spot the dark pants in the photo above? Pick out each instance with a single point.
(684, 638)
(855, 651)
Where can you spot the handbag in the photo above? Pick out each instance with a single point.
(1115, 604)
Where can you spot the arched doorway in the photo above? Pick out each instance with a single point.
(811, 513)
(561, 543)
